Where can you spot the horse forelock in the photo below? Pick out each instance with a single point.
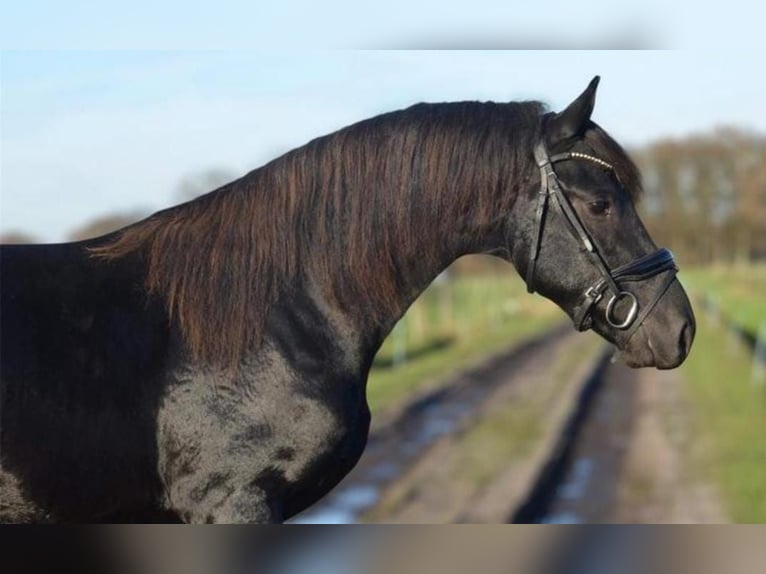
(607, 149)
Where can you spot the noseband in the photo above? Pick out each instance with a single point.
(641, 269)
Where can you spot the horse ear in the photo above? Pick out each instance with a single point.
(571, 122)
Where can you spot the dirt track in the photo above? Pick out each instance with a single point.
(635, 459)
(408, 440)
(471, 451)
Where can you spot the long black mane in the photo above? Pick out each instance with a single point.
(345, 209)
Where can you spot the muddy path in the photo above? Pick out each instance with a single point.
(394, 447)
(549, 431)
(634, 461)
(467, 451)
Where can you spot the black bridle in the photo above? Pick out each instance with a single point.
(643, 268)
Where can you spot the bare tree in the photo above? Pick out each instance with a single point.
(706, 195)
(17, 237)
(196, 184)
(105, 224)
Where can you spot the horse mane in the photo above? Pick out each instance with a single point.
(340, 210)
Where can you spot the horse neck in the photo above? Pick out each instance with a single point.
(358, 332)
(426, 252)
(415, 274)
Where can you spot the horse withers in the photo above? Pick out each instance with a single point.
(209, 363)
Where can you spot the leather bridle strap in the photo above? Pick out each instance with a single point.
(644, 313)
(551, 187)
(641, 269)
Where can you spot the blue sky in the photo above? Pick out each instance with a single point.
(330, 23)
(184, 24)
(91, 132)
(104, 107)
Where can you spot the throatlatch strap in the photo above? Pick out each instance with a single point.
(542, 202)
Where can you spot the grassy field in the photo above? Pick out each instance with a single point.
(730, 408)
(740, 292)
(452, 326)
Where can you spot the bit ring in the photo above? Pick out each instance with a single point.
(631, 313)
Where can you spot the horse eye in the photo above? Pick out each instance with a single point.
(599, 207)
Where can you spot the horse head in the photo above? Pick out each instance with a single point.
(579, 241)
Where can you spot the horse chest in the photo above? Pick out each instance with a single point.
(275, 448)
(325, 460)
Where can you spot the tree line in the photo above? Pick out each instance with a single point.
(705, 195)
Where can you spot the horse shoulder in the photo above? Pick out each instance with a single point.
(274, 440)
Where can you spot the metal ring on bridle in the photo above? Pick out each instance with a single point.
(631, 314)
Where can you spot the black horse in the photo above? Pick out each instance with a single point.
(208, 364)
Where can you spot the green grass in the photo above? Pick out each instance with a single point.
(739, 291)
(730, 416)
(472, 317)
(730, 412)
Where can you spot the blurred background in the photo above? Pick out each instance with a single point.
(487, 407)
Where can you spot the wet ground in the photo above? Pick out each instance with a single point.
(455, 454)
(394, 448)
(588, 491)
(634, 461)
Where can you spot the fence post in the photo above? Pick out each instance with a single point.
(710, 304)
(400, 343)
(446, 307)
(758, 374)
